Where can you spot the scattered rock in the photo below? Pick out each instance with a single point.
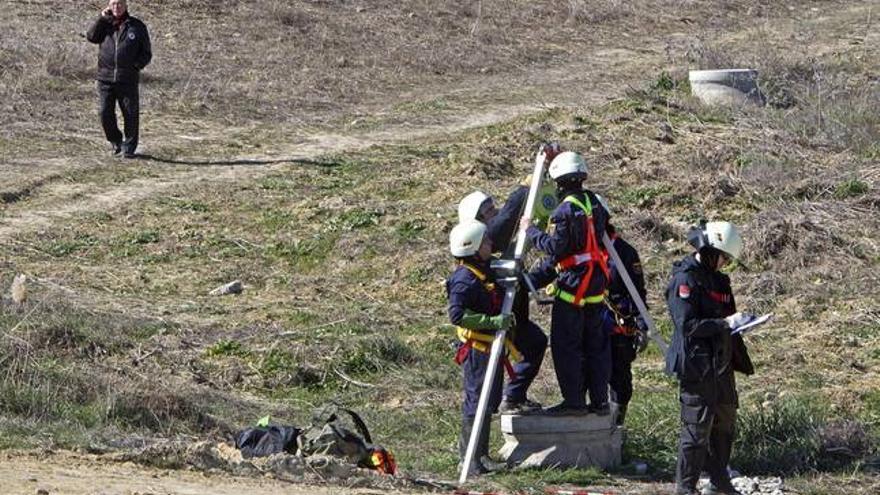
(19, 289)
(758, 486)
(41, 491)
(233, 287)
(544, 128)
(665, 133)
(728, 187)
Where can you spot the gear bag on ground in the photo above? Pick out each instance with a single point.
(326, 435)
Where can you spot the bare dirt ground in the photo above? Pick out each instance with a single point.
(596, 77)
(73, 474)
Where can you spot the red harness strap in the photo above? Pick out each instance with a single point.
(462, 354)
(598, 258)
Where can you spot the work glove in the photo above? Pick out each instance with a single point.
(480, 321)
(502, 322)
(550, 151)
(738, 319)
(546, 153)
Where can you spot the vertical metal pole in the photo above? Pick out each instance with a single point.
(634, 294)
(498, 342)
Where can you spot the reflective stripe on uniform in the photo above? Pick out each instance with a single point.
(568, 297)
(574, 260)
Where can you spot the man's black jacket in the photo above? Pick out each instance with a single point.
(123, 53)
(702, 347)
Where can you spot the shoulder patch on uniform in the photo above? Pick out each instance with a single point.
(684, 291)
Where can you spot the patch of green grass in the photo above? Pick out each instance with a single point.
(782, 438)
(653, 428)
(225, 347)
(664, 82)
(303, 253)
(643, 195)
(851, 189)
(64, 247)
(537, 480)
(377, 354)
(410, 229)
(354, 219)
(276, 183)
(274, 220)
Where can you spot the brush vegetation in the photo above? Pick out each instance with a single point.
(343, 258)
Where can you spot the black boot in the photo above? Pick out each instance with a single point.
(621, 414)
(482, 453)
(476, 468)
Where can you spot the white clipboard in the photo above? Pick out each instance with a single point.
(754, 322)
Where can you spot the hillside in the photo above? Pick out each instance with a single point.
(316, 151)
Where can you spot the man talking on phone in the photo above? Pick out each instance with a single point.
(124, 52)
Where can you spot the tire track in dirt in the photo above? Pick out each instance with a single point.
(592, 80)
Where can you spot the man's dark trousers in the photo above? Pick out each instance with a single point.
(581, 353)
(126, 95)
(623, 353)
(707, 432)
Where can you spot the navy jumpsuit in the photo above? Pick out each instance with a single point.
(623, 340)
(579, 341)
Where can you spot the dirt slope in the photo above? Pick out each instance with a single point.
(42, 194)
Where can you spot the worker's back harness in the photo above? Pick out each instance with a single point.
(623, 324)
(482, 342)
(591, 256)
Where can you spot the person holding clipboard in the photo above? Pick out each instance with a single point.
(705, 351)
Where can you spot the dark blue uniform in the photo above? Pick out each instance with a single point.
(526, 335)
(579, 343)
(703, 355)
(467, 292)
(623, 340)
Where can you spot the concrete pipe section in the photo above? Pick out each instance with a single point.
(731, 87)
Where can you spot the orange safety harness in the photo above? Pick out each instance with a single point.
(591, 255)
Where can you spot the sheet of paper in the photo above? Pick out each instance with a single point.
(752, 324)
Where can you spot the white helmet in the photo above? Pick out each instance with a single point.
(722, 236)
(568, 163)
(469, 206)
(465, 238)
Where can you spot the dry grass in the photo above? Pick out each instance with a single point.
(343, 261)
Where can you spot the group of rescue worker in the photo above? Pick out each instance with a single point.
(596, 329)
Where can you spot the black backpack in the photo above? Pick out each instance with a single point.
(265, 441)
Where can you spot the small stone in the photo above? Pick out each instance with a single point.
(19, 289)
(41, 491)
(665, 133)
(233, 287)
